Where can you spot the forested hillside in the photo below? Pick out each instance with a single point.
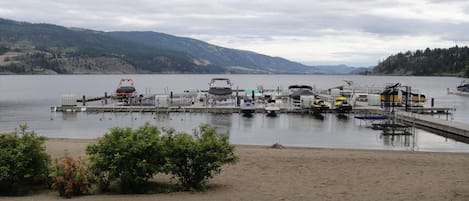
(27, 48)
(230, 58)
(452, 62)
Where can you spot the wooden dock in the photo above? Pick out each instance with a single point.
(430, 110)
(452, 127)
(189, 109)
(424, 121)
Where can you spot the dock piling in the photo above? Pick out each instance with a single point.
(105, 98)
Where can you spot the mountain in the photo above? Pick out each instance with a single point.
(27, 48)
(230, 58)
(453, 61)
(44, 48)
(341, 69)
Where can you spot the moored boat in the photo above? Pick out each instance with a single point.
(463, 88)
(125, 89)
(220, 87)
(248, 107)
(271, 109)
(300, 90)
(296, 91)
(341, 105)
(395, 96)
(318, 105)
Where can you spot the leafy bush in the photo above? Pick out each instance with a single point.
(127, 156)
(131, 157)
(70, 177)
(23, 161)
(194, 159)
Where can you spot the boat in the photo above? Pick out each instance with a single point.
(341, 105)
(300, 90)
(318, 105)
(463, 88)
(125, 89)
(296, 91)
(360, 97)
(395, 96)
(220, 87)
(271, 109)
(248, 107)
(390, 95)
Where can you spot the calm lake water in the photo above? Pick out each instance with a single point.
(27, 99)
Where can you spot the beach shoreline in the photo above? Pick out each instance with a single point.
(303, 173)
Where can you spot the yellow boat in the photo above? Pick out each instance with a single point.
(341, 105)
(318, 105)
(399, 97)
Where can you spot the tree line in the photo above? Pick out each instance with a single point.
(453, 61)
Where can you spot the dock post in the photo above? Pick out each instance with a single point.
(84, 100)
(432, 103)
(105, 98)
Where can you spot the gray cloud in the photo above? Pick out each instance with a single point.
(257, 20)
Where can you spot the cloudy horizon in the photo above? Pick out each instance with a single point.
(355, 33)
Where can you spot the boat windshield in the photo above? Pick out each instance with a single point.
(220, 83)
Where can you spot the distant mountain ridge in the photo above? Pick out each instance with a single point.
(28, 48)
(216, 55)
(44, 48)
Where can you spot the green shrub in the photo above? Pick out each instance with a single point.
(129, 157)
(70, 177)
(23, 161)
(193, 159)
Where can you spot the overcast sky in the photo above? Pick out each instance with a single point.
(315, 32)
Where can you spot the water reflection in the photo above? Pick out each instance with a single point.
(325, 130)
(342, 117)
(318, 116)
(222, 121)
(69, 116)
(397, 140)
(270, 121)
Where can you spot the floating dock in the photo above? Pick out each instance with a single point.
(189, 109)
(452, 127)
(194, 103)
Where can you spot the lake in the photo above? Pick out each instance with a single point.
(27, 99)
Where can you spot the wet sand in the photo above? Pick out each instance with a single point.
(312, 174)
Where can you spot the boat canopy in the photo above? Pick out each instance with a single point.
(300, 87)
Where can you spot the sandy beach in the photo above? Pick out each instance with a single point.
(311, 174)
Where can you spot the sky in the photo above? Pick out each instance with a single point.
(313, 32)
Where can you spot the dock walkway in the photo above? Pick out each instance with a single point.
(452, 127)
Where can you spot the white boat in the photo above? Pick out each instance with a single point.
(271, 109)
(248, 107)
(220, 89)
(462, 89)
